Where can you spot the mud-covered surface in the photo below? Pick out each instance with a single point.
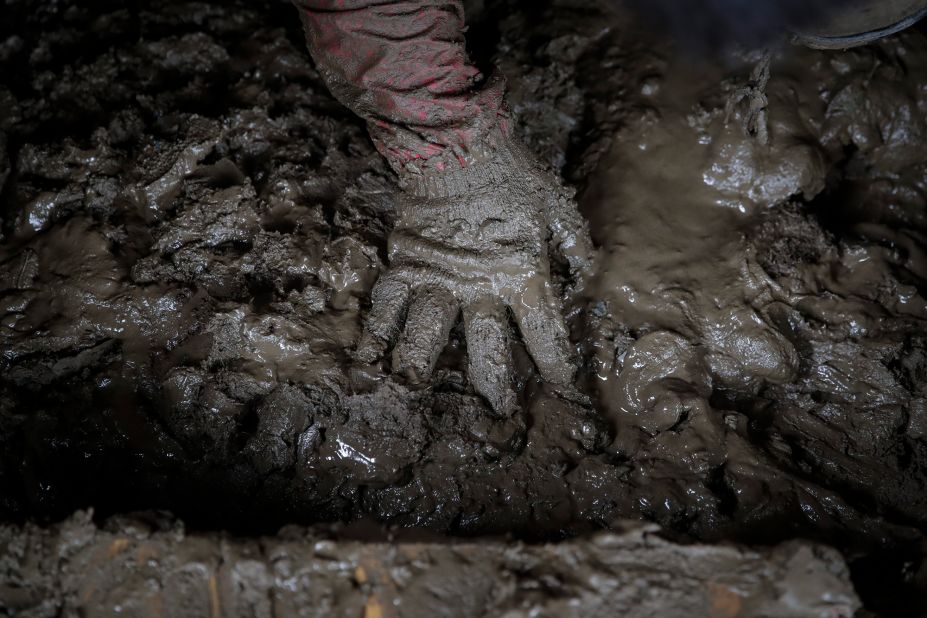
(192, 226)
(150, 567)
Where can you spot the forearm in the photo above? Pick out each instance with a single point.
(402, 66)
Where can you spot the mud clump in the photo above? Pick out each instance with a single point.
(192, 228)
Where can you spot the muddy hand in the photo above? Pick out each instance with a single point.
(475, 241)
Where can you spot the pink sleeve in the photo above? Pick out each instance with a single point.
(402, 66)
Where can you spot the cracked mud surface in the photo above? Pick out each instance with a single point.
(192, 226)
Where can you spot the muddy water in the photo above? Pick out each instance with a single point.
(191, 227)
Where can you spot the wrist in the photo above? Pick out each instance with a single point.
(494, 160)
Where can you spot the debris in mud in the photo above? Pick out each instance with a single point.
(191, 228)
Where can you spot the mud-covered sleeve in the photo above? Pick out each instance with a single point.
(402, 65)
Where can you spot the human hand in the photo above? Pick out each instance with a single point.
(476, 241)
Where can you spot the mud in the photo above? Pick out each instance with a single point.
(151, 566)
(192, 228)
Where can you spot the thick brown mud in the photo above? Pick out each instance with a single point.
(192, 227)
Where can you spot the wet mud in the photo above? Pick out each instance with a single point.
(192, 228)
(144, 566)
